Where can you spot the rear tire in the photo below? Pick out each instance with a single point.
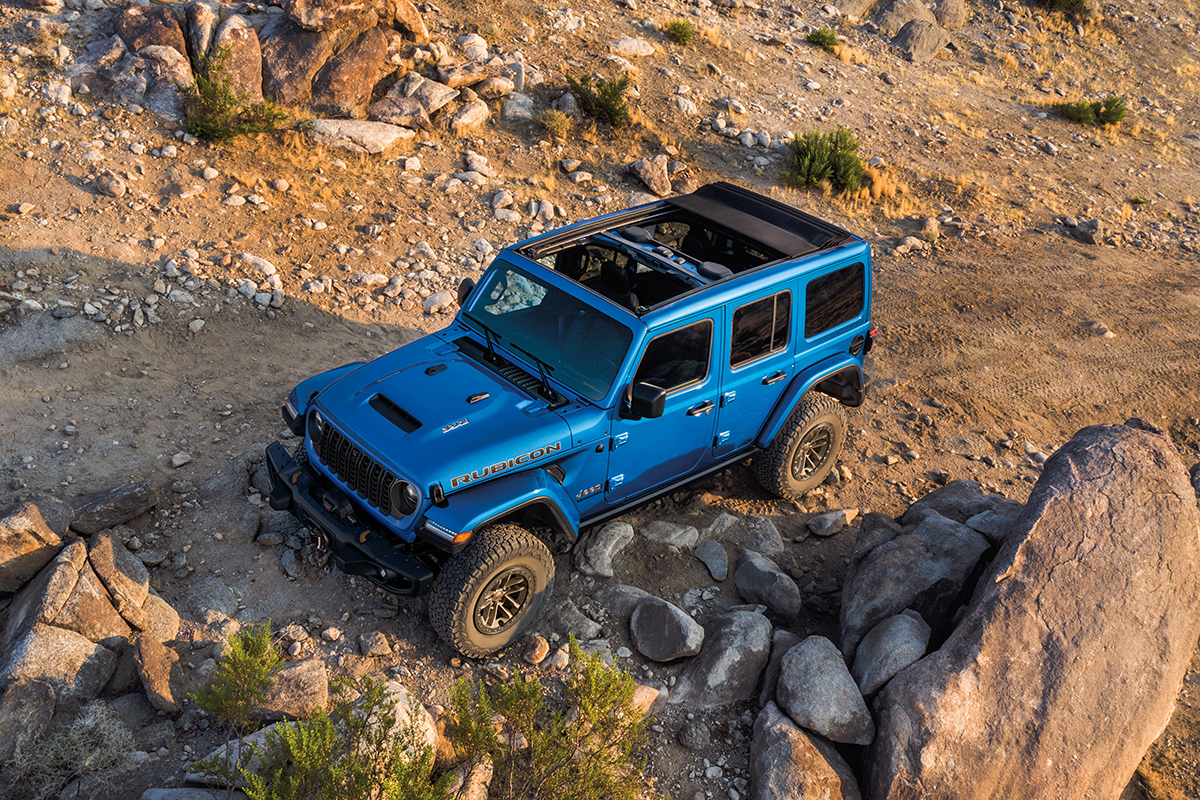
(805, 450)
(487, 596)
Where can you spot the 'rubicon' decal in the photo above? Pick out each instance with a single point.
(501, 466)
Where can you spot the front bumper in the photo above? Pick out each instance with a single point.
(360, 547)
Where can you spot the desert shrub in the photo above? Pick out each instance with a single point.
(214, 111)
(824, 38)
(356, 752)
(680, 31)
(1110, 111)
(825, 158)
(605, 100)
(580, 744)
(1073, 8)
(96, 745)
(556, 123)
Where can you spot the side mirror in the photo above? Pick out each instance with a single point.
(464, 290)
(646, 401)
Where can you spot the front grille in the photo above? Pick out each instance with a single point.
(365, 476)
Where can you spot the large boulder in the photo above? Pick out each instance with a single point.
(951, 14)
(140, 26)
(892, 15)
(662, 631)
(200, 21)
(594, 554)
(116, 506)
(925, 570)
(1067, 664)
(297, 690)
(244, 68)
(321, 15)
(959, 500)
(788, 764)
(359, 137)
(756, 532)
(760, 580)
(26, 545)
(410, 709)
(406, 112)
(406, 16)
(74, 666)
(736, 648)
(620, 599)
(166, 69)
(25, 712)
(891, 646)
(781, 642)
(343, 87)
(292, 56)
(89, 610)
(817, 692)
(921, 40)
(44, 596)
(121, 572)
(470, 118)
(162, 675)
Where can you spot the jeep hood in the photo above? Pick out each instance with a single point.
(411, 410)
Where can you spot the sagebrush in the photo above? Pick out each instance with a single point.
(556, 123)
(680, 31)
(824, 38)
(580, 744)
(825, 158)
(604, 100)
(97, 745)
(1073, 8)
(1109, 111)
(213, 110)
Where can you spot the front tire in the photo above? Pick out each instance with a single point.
(805, 451)
(487, 596)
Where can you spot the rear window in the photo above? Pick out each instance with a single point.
(833, 299)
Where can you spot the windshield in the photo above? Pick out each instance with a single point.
(579, 346)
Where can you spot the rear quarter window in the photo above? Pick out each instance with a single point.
(833, 299)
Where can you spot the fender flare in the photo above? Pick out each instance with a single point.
(472, 509)
(800, 384)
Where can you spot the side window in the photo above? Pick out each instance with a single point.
(833, 299)
(761, 328)
(677, 359)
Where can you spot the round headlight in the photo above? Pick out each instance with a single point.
(404, 498)
(316, 426)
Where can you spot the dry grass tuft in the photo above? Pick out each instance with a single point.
(850, 55)
(96, 745)
(1008, 61)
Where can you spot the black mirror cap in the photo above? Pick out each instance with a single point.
(464, 290)
(647, 401)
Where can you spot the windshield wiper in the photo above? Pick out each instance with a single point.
(547, 390)
(488, 335)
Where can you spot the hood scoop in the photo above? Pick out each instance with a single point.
(394, 414)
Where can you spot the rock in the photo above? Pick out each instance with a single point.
(712, 555)
(653, 173)
(921, 40)
(567, 618)
(26, 545)
(475, 783)
(1068, 661)
(122, 573)
(958, 500)
(320, 15)
(647, 697)
(44, 596)
(245, 66)
(141, 26)
(201, 19)
(671, 533)
(430, 94)
(25, 712)
(290, 564)
(230, 758)
(493, 88)
(951, 14)
(537, 649)
(996, 523)
(760, 580)
(57, 515)
(89, 611)
(781, 642)
(736, 648)
(832, 522)
(756, 532)
(631, 48)
(407, 17)
(404, 111)
(162, 620)
(892, 15)
(374, 643)
(359, 137)
(292, 56)
(817, 692)
(75, 667)
(594, 554)
(408, 707)
(110, 183)
(343, 87)
(663, 632)
(211, 596)
(162, 675)
(1090, 231)
(469, 118)
(620, 600)
(518, 106)
(924, 570)
(457, 76)
(788, 764)
(115, 506)
(892, 645)
(297, 690)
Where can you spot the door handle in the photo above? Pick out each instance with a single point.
(774, 377)
(701, 408)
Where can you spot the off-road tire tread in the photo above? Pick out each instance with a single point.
(489, 547)
(771, 465)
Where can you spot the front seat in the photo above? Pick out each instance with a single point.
(614, 284)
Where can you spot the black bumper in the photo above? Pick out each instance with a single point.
(359, 547)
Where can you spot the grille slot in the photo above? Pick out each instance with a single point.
(365, 476)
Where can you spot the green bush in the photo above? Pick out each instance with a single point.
(824, 38)
(819, 158)
(556, 123)
(357, 752)
(581, 744)
(1074, 8)
(96, 745)
(1110, 111)
(214, 111)
(604, 101)
(680, 31)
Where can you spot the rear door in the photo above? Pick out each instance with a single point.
(758, 366)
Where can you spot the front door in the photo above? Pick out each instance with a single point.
(645, 453)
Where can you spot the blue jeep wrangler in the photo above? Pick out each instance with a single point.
(593, 368)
